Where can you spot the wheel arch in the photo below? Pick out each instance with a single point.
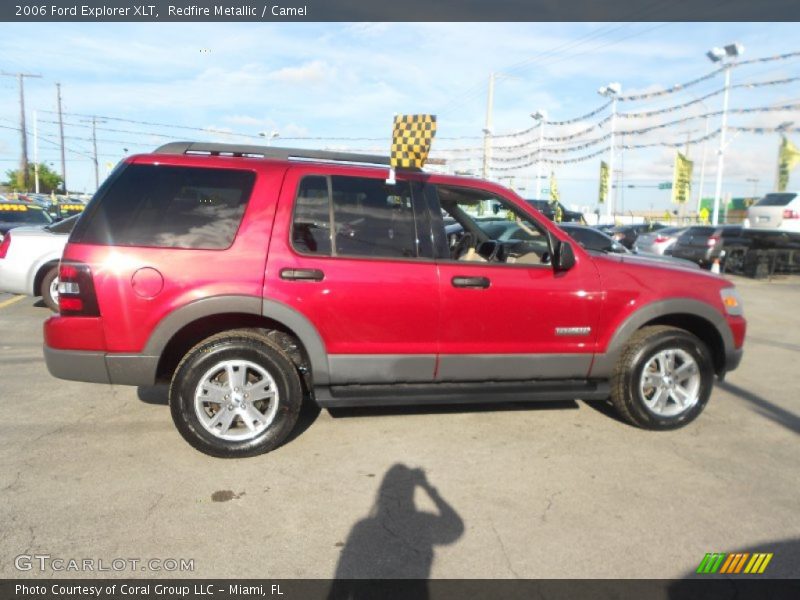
(189, 325)
(696, 317)
(40, 272)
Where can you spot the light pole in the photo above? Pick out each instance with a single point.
(612, 90)
(731, 51)
(269, 136)
(541, 116)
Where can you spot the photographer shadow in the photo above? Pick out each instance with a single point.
(396, 541)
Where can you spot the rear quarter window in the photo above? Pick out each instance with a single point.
(168, 207)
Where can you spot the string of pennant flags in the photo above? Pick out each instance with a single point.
(674, 89)
(533, 154)
(678, 144)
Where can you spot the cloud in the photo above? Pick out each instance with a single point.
(314, 72)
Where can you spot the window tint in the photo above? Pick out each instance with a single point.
(776, 200)
(729, 232)
(373, 218)
(370, 218)
(170, 207)
(311, 230)
(699, 231)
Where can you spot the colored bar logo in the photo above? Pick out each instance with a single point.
(734, 563)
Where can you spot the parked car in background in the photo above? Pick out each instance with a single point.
(704, 244)
(779, 211)
(627, 234)
(592, 239)
(15, 213)
(659, 241)
(546, 208)
(29, 260)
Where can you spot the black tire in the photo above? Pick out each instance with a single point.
(645, 344)
(44, 289)
(237, 345)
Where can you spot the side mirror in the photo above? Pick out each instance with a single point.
(565, 257)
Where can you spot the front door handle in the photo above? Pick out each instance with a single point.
(460, 281)
(302, 274)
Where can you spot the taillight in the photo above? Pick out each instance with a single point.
(713, 241)
(76, 295)
(788, 213)
(660, 239)
(4, 245)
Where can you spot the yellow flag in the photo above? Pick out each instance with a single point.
(411, 140)
(682, 179)
(788, 158)
(554, 197)
(603, 182)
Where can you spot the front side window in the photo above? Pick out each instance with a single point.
(168, 207)
(354, 216)
(491, 229)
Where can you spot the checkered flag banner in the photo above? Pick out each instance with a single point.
(411, 140)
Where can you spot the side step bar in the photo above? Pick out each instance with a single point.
(410, 394)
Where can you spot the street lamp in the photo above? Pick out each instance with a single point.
(723, 55)
(269, 135)
(540, 116)
(612, 90)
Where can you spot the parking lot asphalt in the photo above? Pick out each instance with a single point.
(535, 490)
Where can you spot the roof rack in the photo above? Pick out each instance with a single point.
(243, 150)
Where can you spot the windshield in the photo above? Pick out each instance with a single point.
(24, 214)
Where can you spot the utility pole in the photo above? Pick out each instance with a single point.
(36, 151)
(61, 134)
(94, 121)
(487, 131)
(23, 162)
(541, 116)
(611, 90)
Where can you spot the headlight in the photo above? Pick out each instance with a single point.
(732, 301)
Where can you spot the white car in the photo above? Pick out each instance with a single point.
(777, 210)
(29, 258)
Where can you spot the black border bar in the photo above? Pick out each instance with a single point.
(104, 11)
(711, 588)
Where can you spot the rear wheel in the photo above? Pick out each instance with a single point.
(663, 379)
(49, 289)
(235, 394)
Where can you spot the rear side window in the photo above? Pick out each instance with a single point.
(354, 216)
(168, 207)
(699, 231)
(776, 200)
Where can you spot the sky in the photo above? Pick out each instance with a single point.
(319, 85)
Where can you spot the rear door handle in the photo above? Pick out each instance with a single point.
(302, 274)
(460, 281)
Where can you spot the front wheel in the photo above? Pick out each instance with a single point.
(235, 395)
(663, 379)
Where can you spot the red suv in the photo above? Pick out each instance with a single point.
(253, 278)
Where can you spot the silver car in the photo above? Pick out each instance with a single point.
(657, 242)
(779, 210)
(29, 258)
